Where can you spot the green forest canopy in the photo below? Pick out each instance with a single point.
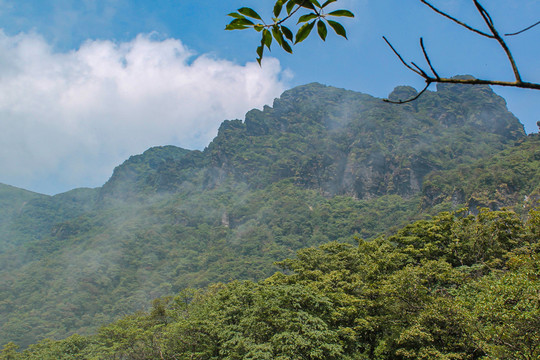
(457, 286)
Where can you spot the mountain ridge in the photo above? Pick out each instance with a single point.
(322, 164)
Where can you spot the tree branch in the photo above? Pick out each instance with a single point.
(468, 27)
(287, 17)
(427, 58)
(519, 83)
(400, 58)
(521, 31)
(411, 99)
(496, 36)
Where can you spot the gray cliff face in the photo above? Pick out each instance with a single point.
(342, 142)
(379, 175)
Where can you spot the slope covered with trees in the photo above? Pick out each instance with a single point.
(504, 179)
(321, 165)
(454, 287)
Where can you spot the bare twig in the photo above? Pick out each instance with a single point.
(286, 18)
(521, 31)
(427, 58)
(411, 99)
(489, 22)
(400, 58)
(299, 6)
(456, 20)
(471, 81)
(423, 73)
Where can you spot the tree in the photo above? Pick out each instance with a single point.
(310, 13)
(9, 352)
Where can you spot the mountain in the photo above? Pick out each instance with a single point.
(353, 144)
(322, 164)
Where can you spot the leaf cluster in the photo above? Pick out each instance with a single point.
(311, 12)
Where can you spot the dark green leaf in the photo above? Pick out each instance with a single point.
(249, 12)
(307, 17)
(321, 29)
(316, 3)
(238, 23)
(286, 47)
(278, 7)
(290, 6)
(235, 27)
(260, 50)
(258, 27)
(236, 15)
(242, 22)
(303, 32)
(328, 2)
(267, 38)
(305, 3)
(338, 28)
(287, 32)
(346, 13)
(277, 35)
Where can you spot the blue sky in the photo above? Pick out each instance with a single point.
(84, 84)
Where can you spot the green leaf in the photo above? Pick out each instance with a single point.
(236, 15)
(267, 38)
(235, 27)
(277, 35)
(303, 32)
(287, 32)
(321, 29)
(345, 13)
(290, 6)
(249, 12)
(242, 22)
(338, 28)
(305, 3)
(278, 7)
(258, 27)
(286, 47)
(328, 2)
(260, 50)
(316, 3)
(307, 17)
(239, 24)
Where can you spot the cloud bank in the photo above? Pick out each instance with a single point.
(68, 118)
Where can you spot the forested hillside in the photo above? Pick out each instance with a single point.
(321, 166)
(453, 287)
(12, 201)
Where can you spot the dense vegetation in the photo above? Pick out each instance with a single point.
(323, 165)
(12, 201)
(505, 179)
(454, 287)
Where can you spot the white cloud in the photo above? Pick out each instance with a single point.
(71, 117)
